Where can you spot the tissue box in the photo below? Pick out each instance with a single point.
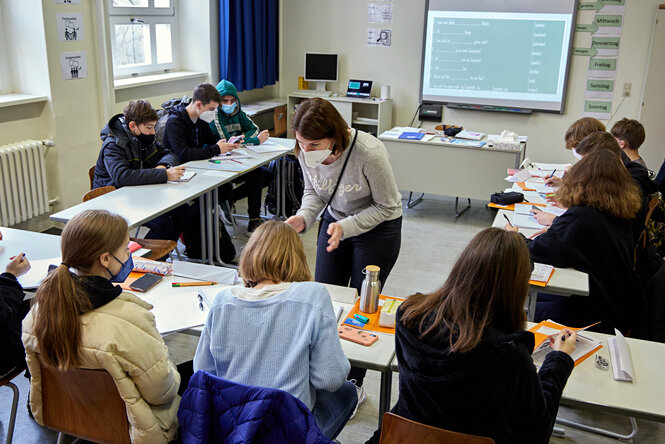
(507, 145)
(389, 313)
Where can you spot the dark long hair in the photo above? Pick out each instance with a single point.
(486, 287)
(318, 119)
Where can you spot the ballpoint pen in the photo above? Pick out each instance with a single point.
(509, 223)
(192, 284)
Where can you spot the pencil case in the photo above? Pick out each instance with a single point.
(508, 198)
(148, 266)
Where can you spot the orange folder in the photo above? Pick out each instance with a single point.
(373, 324)
(540, 338)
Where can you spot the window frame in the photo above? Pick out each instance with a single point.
(149, 16)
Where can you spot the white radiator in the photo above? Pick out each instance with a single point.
(23, 192)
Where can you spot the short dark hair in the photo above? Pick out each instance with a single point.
(206, 93)
(600, 140)
(630, 131)
(318, 119)
(140, 112)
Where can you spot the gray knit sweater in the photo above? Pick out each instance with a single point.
(367, 194)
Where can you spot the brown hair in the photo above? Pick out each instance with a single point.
(580, 129)
(140, 112)
(206, 93)
(318, 119)
(600, 140)
(630, 131)
(61, 300)
(487, 286)
(600, 181)
(274, 252)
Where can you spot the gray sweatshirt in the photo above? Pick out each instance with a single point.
(367, 194)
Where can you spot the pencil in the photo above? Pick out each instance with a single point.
(509, 223)
(192, 284)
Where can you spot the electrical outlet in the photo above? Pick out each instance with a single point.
(626, 88)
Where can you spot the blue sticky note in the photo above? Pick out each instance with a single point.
(411, 135)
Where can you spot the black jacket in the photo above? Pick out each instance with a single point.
(647, 186)
(494, 390)
(601, 245)
(124, 162)
(12, 312)
(189, 140)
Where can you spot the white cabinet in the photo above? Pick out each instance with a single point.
(371, 115)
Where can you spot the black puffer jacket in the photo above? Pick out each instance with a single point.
(12, 312)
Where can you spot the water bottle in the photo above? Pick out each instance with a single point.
(369, 294)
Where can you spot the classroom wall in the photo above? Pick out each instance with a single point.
(341, 27)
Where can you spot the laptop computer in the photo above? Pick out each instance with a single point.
(359, 88)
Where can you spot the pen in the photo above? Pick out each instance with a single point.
(236, 161)
(509, 223)
(192, 284)
(553, 173)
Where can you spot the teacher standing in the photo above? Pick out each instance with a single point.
(347, 174)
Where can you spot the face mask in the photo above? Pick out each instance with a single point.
(577, 156)
(315, 157)
(126, 268)
(207, 116)
(228, 109)
(146, 139)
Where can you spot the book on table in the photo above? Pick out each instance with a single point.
(585, 345)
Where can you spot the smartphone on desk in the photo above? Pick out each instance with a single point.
(358, 336)
(145, 282)
(235, 139)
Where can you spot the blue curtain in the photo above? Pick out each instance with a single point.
(248, 42)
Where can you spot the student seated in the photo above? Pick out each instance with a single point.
(594, 236)
(230, 120)
(630, 135)
(82, 320)
(464, 358)
(12, 311)
(278, 331)
(130, 156)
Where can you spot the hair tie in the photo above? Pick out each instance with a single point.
(65, 264)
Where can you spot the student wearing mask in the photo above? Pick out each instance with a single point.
(594, 236)
(82, 320)
(464, 358)
(348, 176)
(130, 156)
(279, 331)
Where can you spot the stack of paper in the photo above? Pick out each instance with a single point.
(205, 272)
(541, 273)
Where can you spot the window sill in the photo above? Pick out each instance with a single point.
(153, 79)
(13, 99)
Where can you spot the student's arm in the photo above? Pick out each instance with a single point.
(11, 298)
(117, 165)
(166, 157)
(203, 359)
(554, 246)
(249, 129)
(176, 138)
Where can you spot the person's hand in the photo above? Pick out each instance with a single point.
(297, 222)
(553, 181)
(565, 341)
(543, 217)
(509, 227)
(19, 266)
(175, 173)
(539, 232)
(227, 147)
(263, 136)
(335, 232)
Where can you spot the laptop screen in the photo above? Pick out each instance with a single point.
(359, 88)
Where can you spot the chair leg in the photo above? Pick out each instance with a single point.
(61, 438)
(12, 417)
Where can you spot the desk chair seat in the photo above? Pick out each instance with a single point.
(91, 175)
(12, 417)
(83, 403)
(399, 430)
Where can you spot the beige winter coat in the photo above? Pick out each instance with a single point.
(121, 338)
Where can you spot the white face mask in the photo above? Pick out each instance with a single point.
(207, 116)
(315, 157)
(577, 156)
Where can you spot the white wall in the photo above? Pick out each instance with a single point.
(341, 27)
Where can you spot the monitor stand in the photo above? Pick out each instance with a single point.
(321, 86)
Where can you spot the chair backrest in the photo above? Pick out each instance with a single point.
(91, 175)
(84, 403)
(279, 121)
(396, 429)
(97, 192)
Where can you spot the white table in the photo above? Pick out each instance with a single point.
(35, 245)
(436, 167)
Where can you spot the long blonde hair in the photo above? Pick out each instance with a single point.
(274, 252)
(61, 300)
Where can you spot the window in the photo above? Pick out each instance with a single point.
(142, 36)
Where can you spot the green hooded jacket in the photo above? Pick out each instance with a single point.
(236, 123)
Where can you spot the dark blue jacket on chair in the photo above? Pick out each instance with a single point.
(216, 410)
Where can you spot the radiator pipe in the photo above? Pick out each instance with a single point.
(53, 201)
(48, 142)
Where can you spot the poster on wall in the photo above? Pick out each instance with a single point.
(74, 65)
(70, 27)
(379, 37)
(380, 12)
(68, 2)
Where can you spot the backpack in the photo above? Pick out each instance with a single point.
(163, 115)
(294, 183)
(650, 248)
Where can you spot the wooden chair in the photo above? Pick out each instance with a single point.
(279, 122)
(12, 417)
(159, 247)
(83, 403)
(91, 175)
(398, 430)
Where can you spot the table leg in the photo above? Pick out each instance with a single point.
(598, 431)
(202, 221)
(458, 213)
(410, 203)
(384, 396)
(531, 308)
(209, 226)
(215, 218)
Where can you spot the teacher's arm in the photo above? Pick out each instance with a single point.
(311, 205)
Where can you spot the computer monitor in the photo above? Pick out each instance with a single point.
(321, 68)
(359, 88)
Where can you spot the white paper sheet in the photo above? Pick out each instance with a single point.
(267, 147)
(345, 295)
(37, 273)
(622, 366)
(177, 311)
(205, 272)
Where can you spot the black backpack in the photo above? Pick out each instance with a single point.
(294, 183)
(163, 115)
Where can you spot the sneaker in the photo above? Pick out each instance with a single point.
(362, 397)
(254, 224)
